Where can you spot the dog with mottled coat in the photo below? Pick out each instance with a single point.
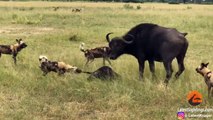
(98, 52)
(55, 66)
(13, 49)
(208, 76)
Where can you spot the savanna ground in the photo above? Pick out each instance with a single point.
(26, 94)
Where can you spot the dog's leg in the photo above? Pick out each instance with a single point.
(14, 57)
(209, 90)
(108, 61)
(87, 62)
(45, 73)
(0, 54)
(61, 71)
(91, 60)
(45, 70)
(104, 59)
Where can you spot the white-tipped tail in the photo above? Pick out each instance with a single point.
(82, 47)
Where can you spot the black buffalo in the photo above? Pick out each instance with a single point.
(151, 42)
(103, 73)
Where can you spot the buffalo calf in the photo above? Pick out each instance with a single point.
(103, 73)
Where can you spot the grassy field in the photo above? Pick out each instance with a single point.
(26, 94)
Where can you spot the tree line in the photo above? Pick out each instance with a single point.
(136, 1)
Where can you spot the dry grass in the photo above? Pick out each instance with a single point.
(26, 94)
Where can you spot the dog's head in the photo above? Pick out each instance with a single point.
(202, 69)
(43, 58)
(21, 43)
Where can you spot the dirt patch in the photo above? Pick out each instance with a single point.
(25, 30)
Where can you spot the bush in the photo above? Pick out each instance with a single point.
(188, 7)
(138, 7)
(128, 6)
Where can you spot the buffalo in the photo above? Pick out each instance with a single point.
(151, 42)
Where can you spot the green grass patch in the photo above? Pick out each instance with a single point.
(26, 94)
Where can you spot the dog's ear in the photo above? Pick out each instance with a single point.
(18, 41)
(202, 64)
(206, 64)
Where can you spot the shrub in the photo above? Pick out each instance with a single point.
(138, 7)
(128, 6)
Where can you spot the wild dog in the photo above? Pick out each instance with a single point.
(98, 52)
(55, 66)
(208, 76)
(13, 49)
(76, 10)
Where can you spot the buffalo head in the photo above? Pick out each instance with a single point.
(118, 45)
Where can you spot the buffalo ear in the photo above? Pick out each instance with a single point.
(128, 42)
(128, 38)
(131, 36)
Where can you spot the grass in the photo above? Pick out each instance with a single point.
(26, 94)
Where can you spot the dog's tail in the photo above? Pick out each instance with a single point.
(86, 72)
(82, 47)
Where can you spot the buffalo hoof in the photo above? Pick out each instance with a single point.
(177, 75)
(166, 82)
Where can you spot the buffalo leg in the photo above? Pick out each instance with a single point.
(180, 60)
(152, 68)
(168, 67)
(141, 69)
(181, 66)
